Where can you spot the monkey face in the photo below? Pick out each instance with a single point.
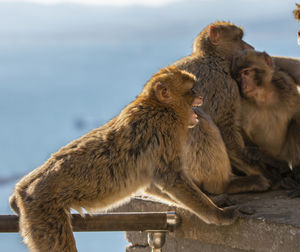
(253, 71)
(193, 100)
(246, 79)
(194, 118)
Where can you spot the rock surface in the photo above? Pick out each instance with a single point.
(274, 226)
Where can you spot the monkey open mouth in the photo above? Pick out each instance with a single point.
(197, 103)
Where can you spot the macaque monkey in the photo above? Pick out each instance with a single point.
(210, 62)
(140, 147)
(208, 160)
(270, 106)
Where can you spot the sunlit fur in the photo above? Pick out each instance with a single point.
(271, 117)
(141, 146)
(216, 143)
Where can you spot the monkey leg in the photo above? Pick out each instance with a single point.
(221, 200)
(253, 183)
(184, 191)
(44, 226)
(236, 150)
(154, 191)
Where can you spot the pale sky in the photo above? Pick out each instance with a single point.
(98, 2)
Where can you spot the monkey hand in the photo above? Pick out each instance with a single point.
(228, 215)
(222, 200)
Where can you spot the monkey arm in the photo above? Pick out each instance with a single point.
(289, 65)
(154, 191)
(181, 189)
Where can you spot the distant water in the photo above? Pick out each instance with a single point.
(52, 93)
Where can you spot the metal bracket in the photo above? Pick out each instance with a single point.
(156, 238)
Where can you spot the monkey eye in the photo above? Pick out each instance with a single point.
(246, 72)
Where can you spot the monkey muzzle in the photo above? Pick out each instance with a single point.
(194, 117)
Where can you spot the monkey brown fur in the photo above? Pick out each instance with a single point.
(142, 146)
(207, 160)
(270, 106)
(297, 12)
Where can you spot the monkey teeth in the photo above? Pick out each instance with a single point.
(197, 105)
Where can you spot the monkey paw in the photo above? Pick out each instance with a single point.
(228, 215)
(262, 184)
(222, 200)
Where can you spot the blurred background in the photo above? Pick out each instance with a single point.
(67, 66)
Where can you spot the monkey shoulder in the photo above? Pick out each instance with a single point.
(286, 88)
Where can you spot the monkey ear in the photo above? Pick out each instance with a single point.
(214, 35)
(268, 60)
(162, 92)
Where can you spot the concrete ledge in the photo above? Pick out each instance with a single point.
(275, 226)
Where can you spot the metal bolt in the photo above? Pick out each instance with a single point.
(156, 239)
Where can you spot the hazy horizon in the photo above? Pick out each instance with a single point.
(68, 67)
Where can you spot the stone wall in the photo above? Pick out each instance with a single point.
(274, 226)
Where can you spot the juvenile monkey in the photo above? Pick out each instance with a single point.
(141, 146)
(270, 106)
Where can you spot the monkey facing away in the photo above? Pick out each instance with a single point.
(270, 106)
(143, 145)
(207, 160)
(210, 62)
